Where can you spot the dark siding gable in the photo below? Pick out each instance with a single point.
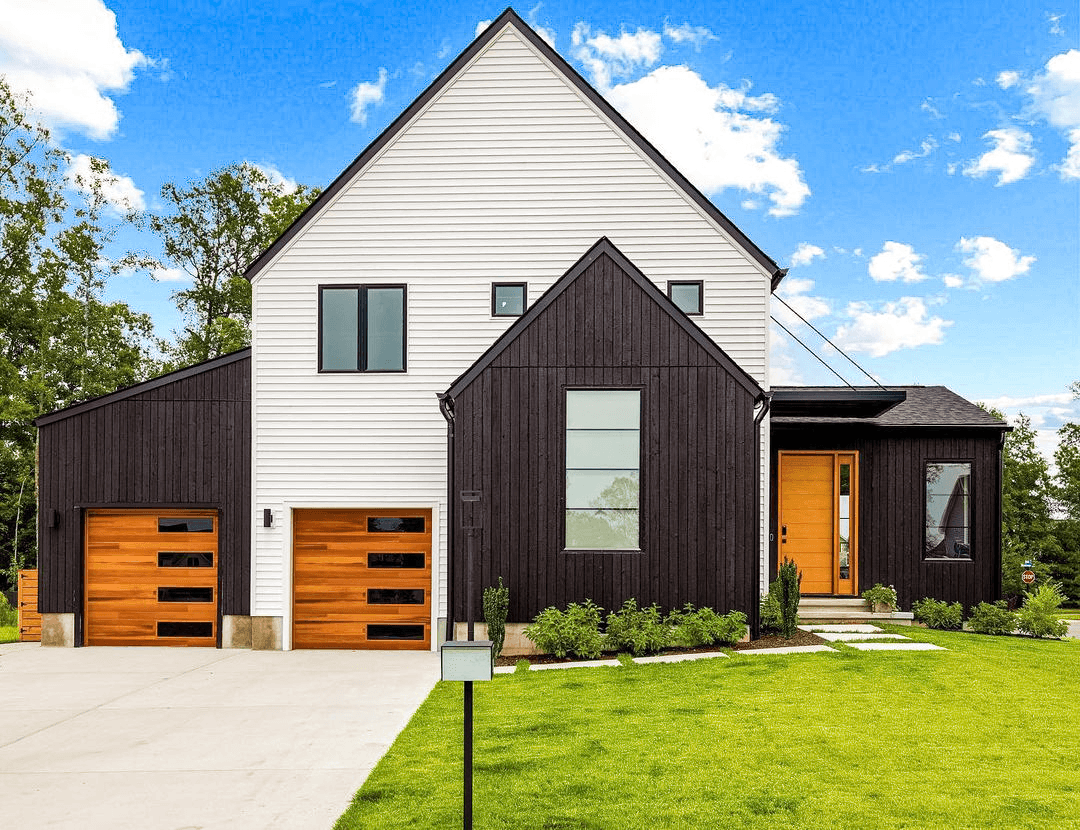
(606, 326)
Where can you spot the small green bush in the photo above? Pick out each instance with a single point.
(1037, 616)
(496, 606)
(880, 594)
(637, 630)
(771, 619)
(996, 618)
(8, 615)
(575, 631)
(789, 578)
(937, 614)
(704, 627)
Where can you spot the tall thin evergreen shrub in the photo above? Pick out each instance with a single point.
(496, 606)
(789, 578)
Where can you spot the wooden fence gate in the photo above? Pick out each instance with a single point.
(29, 618)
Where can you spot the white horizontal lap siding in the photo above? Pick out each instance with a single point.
(509, 174)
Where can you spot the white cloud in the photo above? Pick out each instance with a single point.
(1007, 79)
(992, 260)
(897, 261)
(1055, 96)
(367, 94)
(1055, 23)
(1010, 158)
(276, 177)
(605, 57)
(119, 191)
(954, 137)
(952, 280)
(796, 292)
(805, 254)
(67, 54)
(927, 106)
(783, 369)
(483, 24)
(903, 324)
(170, 275)
(694, 35)
(1005, 402)
(710, 135)
(926, 148)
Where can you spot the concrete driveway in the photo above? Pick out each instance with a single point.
(175, 738)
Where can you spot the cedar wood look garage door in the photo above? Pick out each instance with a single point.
(362, 579)
(151, 578)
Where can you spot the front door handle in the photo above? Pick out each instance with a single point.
(783, 534)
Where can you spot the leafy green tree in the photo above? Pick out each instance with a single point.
(59, 342)
(1026, 524)
(1066, 567)
(216, 228)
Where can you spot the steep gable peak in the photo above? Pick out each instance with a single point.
(510, 22)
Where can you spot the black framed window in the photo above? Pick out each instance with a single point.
(603, 463)
(508, 299)
(948, 510)
(688, 296)
(362, 328)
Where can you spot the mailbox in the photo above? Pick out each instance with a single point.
(466, 660)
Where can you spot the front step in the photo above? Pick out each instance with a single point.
(846, 610)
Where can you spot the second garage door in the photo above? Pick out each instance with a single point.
(362, 579)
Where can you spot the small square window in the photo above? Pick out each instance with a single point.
(507, 299)
(688, 296)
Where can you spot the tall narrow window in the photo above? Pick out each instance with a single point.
(603, 460)
(362, 328)
(948, 510)
(844, 521)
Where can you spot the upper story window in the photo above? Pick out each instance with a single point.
(362, 328)
(603, 462)
(688, 296)
(508, 299)
(948, 510)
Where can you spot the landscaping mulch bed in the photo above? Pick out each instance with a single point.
(801, 638)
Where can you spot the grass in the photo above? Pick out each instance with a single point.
(9, 633)
(981, 735)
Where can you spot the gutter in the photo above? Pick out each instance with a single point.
(446, 407)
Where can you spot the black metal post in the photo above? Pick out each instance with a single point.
(470, 578)
(467, 815)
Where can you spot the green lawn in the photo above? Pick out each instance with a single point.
(982, 735)
(9, 633)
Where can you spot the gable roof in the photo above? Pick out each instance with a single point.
(140, 388)
(605, 248)
(923, 406)
(511, 18)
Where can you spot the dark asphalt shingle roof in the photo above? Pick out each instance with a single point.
(925, 406)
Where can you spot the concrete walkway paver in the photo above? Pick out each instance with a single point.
(165, 738)
(909, 646)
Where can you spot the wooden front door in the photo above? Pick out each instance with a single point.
(362, 579)
(817, 525)
(151, 578)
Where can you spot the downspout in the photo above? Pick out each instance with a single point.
(755, 610)
(1000, 515)
(446, 407)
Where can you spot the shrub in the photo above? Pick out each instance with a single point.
(880, 594)
(1037, 617)
(993, 618)
(788, 594)
(574, 631)
(496, 606)
(637, 630)
(704, 627)
(770, 610)
(937, 614)
(8, 615)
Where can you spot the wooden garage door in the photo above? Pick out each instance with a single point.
(151, 578)
(362, 579)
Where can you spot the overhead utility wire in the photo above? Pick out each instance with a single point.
(812, 352)
(827, 340)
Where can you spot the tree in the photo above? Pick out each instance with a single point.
(59, 342)
(1026, 525)
(1066, 567)
(216, 229)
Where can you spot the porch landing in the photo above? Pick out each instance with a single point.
(822, 610)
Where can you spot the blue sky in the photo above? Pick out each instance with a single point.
(915, 164)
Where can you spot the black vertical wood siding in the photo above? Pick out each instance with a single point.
(698, 475)
(892, 506)
(186, 443)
